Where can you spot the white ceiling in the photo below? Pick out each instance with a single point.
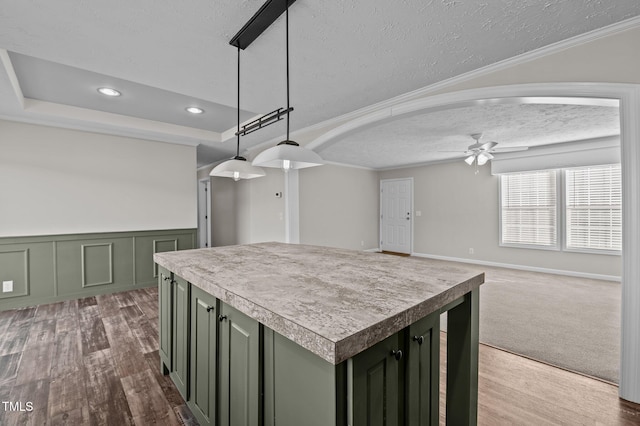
(344, 56)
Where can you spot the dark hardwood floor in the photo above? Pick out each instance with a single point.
(95, 361)
(88, 361)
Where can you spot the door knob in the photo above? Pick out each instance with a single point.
(397, 354)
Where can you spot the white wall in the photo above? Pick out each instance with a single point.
(339, 207)
(57, 181)
(460, 210)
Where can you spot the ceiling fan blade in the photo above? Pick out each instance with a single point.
(510, 149)
(488, 146)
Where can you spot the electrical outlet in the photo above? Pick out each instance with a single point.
(7, 286)
(362, 243)
(418, 213)
(470, 251)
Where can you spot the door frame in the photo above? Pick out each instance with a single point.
(411, 221)
(629, 97)
(206, 183)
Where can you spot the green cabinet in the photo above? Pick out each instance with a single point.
(396, 381)
(204, 336)
(239, 368)
(165, 286)
(423, 372)
(377, 383)
(180, 336)
(233, 371)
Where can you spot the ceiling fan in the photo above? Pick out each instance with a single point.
(481, 152)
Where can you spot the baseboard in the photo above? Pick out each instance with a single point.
(522, 267)
(373, 250)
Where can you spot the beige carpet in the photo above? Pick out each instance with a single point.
(573, 323)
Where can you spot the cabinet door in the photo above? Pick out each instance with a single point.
(204, 335)
(164, 306)
(423, 371)
(377, 384)
(239, 368)
(180, 350)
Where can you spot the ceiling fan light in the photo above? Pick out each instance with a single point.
(237, 168)
(470, 159)
(483, 157)
(287, 157)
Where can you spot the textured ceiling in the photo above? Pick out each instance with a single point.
(344, 55)
(422, 138)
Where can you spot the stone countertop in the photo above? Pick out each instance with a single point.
(333, 302)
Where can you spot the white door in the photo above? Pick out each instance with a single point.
(396, 203)
(204, 213)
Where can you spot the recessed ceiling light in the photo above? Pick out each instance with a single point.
(194, 110)
(108, 91)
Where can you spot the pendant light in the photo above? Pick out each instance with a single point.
(288, 154)
(238, 167)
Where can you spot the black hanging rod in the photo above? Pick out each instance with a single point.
(264, 121)
(268, 13)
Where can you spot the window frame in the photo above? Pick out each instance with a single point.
(561, 213)
(565, 237)
(557, 246)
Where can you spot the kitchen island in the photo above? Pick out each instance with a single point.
(284, 334)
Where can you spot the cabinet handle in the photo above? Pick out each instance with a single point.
(222, 318)
(397, 354)
(166, 278)
(419, 339)
(209, 308)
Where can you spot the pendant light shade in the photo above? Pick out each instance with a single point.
(288, 155)
(237, 168)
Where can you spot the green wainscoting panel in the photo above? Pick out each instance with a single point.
(51, 268)
(38, 281)
(147, 245)
(14, 272)
(108, 264)
(97, 264)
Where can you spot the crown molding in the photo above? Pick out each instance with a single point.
(13, 78)
(541, 52)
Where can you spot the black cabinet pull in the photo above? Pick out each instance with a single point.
(209, 308)
(397, 354)
(222, 318)
(419, 339)
(166, 278)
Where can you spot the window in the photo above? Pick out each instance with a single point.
(531, 202)
(593, 208)
(529, 209)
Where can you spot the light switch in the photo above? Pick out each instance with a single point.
(7, 286)
(418, 212)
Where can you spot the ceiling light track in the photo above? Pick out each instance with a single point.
(263, 18)
(264, 121)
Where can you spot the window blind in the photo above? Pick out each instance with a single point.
(593, 207)
(528, 208)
